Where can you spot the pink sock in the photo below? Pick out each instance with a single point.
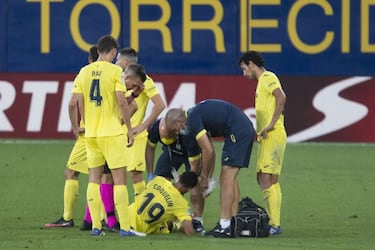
(106, 191)
(87, 215)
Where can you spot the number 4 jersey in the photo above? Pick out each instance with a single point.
(98, 82)
(158, 204)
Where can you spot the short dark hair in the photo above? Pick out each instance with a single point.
(130, 54)
(253, 56)
(188, 179)
(106, 44)
(93, 53)
(136, 70)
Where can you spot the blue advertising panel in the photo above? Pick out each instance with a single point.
(309, 37)
(3, 33)
(55, 35)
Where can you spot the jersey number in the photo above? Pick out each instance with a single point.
(155, 211)
(95, 92)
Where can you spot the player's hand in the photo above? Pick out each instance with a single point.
(264, 133)
(76, 131)
(138, 129)
(203, 184)
(137, 91)
(130, 138)
(211, 185)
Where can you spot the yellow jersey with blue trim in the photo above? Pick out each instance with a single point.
(142, 100)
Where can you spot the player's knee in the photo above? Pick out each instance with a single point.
(136, 176)
(71, 174)
(265, 180)
(107, 178)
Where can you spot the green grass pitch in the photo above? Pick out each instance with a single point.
(328, 201)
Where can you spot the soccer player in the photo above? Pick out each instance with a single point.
(162, 202)
(106, 185)
(100, 93)
(269, 104)
(77, 163)
(137, 164)
(217, 118)
(174, 155)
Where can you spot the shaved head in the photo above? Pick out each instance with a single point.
(175, 115)
(175, 120)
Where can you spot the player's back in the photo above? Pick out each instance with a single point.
(99, 82)
(216, 116)
(156, 205)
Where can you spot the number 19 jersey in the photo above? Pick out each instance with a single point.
(98, 82)
(159, 203)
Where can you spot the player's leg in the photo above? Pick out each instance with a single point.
(106, 191)
(271, 196)
(116, 160)
(196, 198)
(139, 183)
(197, 205)
(228, 189)
(228, 184)
(87, 221)
(77, 163)
(138, 164)
(94, 200)
(269, 162)
(96, 160)
(235, 155)
(71, 190)
(121, 197)
(236, 198)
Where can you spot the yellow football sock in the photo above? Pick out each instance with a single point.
(139, 187)
(278, 204)
(121, 199)
(272, 198)
(95, 204)
(70, 198)
(103, 215)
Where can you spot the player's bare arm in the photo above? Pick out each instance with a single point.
(187, 227)
(75, 102)
(133, 107)
(195, 163)
(150, 154)
(208, 160)
(125, 115)
(159, 106)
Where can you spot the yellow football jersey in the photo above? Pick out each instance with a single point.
(98, 82)
(149, 91)
(265, 102)
(159, 203)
